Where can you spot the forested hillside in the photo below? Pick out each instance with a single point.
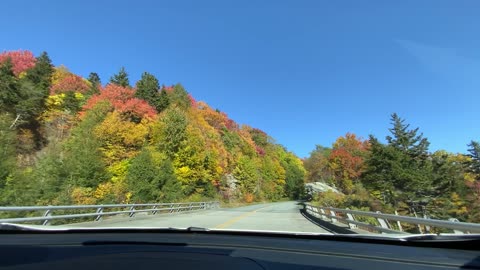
(65, 139)
(399, 175)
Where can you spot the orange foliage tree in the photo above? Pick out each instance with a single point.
(346, 160)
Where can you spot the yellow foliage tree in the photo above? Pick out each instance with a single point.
(120, 137)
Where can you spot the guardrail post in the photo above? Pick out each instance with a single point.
(398, 223)
(323, 214)
(154, 211)
(455, 231)
(132, 211)
(171, 207)
(383, 222)
(47, 213)
(351, 217)
(332, 213)
(99, 211)
(418, 225)
(427, 228)
(190, 207)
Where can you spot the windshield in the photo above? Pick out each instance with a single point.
(335, 117)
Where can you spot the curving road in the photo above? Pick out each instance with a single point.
(281, 216)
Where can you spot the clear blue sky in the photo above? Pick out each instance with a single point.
(305, 72)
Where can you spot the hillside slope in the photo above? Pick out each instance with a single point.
(65, 139)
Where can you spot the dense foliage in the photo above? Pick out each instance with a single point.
(65, 139)
(399, 175)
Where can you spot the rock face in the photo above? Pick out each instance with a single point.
(317, 187)
(231, 182)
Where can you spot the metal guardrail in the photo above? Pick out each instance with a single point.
(383, 221)
(129, 209)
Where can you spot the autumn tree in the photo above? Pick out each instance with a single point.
(70, 83)
(123, 100)
(346, 161)
(121, 78)
(317, 165)
(294, 175)
(247, 174)
(21, 60)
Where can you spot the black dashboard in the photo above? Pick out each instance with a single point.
(196, 250)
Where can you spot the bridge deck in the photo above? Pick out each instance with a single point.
(281, 216)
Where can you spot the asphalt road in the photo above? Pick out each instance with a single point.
(281, 216)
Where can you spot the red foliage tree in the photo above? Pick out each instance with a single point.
(21, 60)
(348, 156)
(123, 100)
(71, 83)
(193, 102)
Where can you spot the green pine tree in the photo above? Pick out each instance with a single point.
(142, 178)
(474, 164)
(40, 75)
(147, 89)
(7, 148)
(173, 132)
(9, 96)
(121, 78)
(94, 79)
(405, 140)
(180, 97)
(163, 101)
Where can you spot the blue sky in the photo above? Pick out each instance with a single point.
(305, 72)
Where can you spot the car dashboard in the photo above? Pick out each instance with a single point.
(140, 250)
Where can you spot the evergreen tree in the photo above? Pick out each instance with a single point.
(407, 140)
(94, 79)
(173, 132)
(163, 101)
(83, 158)
(33, 90)
(9, 96)
(71, 103)
(180, 97)
(142, 178)
(40, 75)
(7, 148)
(474, 164)
(147, 89)
(171, 188)
(394, 175)
(121, 78)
